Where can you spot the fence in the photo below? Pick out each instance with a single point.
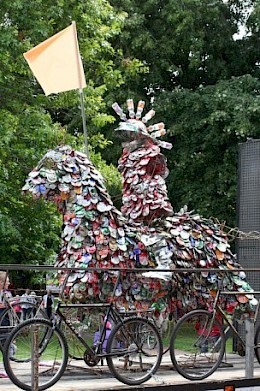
(249, 324)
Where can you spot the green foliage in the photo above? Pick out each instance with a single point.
(186, 42)
(204, 84)
(31, 123)
(207, 126)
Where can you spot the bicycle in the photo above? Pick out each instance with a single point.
(198, 341)
(42, 345)
(9, 318)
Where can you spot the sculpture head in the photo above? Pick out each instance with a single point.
(133, 132)
(64, 174)
(48, 178)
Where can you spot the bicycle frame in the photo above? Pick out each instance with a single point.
(41, 344)
(229, 324)
(110, 312)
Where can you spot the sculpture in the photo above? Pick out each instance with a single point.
(97, 235)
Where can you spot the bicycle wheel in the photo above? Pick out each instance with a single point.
(24, 362)
(197, 345)
(10, 319)
(6, 322)
(129, 357)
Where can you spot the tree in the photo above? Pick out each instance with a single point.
(206, 127)
(204, 85)
(31, 123)
(185, 42)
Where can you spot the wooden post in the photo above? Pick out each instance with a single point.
(249, 326)
(35, 358)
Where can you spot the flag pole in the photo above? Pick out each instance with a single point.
(83, 114)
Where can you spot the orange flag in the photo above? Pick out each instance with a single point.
(56, 62)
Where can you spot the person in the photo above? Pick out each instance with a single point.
(27, 306)
(211, 335)
(17, 307)
(4, 293)
(48, 303)
(97, 334)
(33, 298)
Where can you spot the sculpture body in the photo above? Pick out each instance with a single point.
(147, 234)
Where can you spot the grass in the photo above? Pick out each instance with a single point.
(184, 341)
(187, 335)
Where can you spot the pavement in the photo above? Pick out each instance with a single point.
(79, 377)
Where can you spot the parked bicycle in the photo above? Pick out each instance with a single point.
(198, 341)
(41, 345)
(10, 318)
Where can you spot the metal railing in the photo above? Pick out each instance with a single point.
(249, 322)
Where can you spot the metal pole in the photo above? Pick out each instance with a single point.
(249, 325)
(83, 115)
(35, 358)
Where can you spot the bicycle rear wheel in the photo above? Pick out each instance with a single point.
(35, 348)
(197, 345)
(129, 356)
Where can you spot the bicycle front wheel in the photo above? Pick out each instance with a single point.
(35, 353)
(130, 357)
(197, 345)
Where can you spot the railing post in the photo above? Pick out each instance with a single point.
(249, 326)
(35, 358)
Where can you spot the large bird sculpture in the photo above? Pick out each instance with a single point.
(146, 233)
